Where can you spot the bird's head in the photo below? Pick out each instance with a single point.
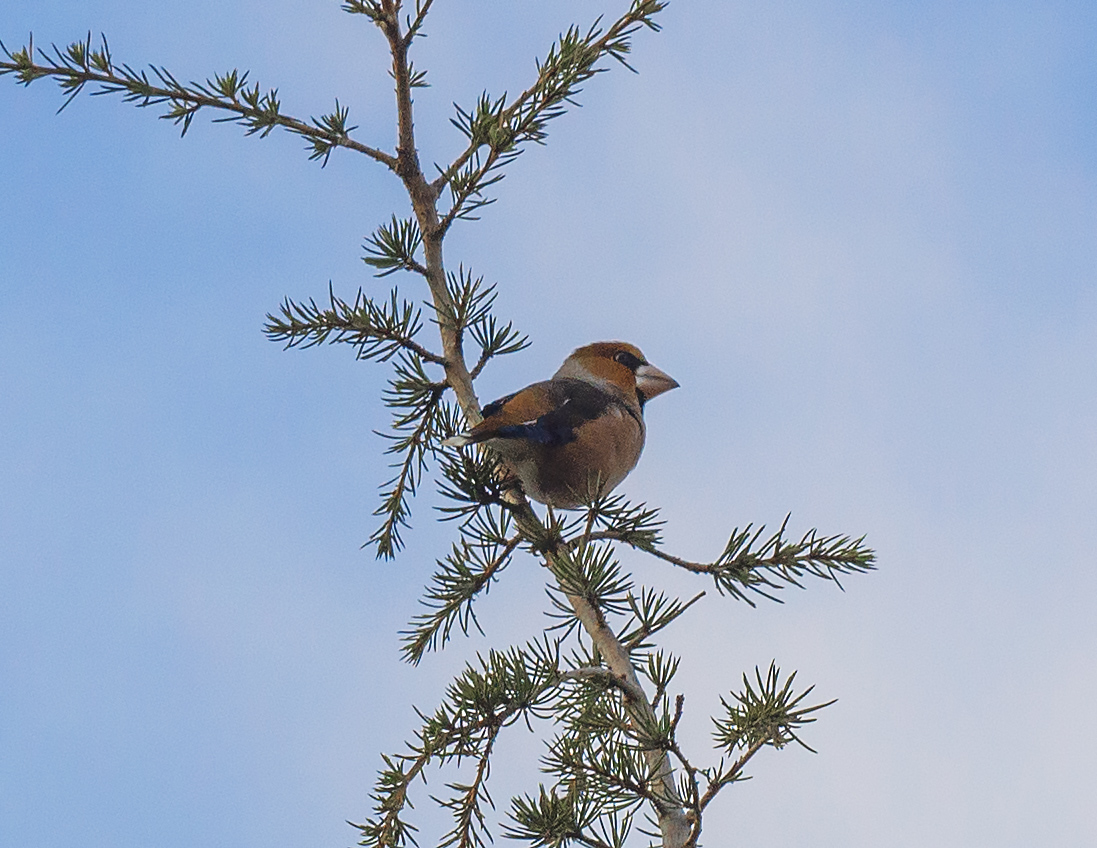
(620, 366)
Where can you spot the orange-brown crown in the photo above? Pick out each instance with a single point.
(605, 362)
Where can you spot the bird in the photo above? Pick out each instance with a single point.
(574, 438)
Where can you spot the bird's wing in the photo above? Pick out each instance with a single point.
(548, 413)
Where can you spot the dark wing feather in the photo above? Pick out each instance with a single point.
(546, 413)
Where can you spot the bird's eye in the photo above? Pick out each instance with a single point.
(628, 360)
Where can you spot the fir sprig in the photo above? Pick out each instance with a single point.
(417, 430)
(552, 820)
(498, 130)
(470, 481)
(599, 762)
(765, 712)
(470, 309)
(393, 247)
(751, 565)
(378, 330)
(80, 64)
(638, 525)
(592, 573)
(495, 338)
(493, 694)
(475, 561)
(651, 612)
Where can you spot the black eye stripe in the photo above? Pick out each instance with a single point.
(628, 360)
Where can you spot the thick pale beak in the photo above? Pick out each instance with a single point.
(650, 381)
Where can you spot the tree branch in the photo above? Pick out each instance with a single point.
(745, 566)
(378, 332)
(423, 198)
(668, 806)
(414, 447)
(549, 96)
(422, 8)
(80, 65)
(450, 598)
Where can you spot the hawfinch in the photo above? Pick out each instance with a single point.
(574, 437)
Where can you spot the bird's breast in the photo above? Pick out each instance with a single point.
(601, 454)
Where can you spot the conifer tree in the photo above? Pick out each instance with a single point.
(596, 679)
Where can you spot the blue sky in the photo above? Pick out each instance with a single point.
(861, 235)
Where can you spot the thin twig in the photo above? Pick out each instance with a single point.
(151, 94)
(599, 46)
